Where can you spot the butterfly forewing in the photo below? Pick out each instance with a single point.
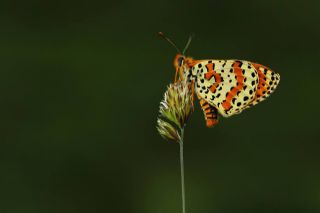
(268, 82)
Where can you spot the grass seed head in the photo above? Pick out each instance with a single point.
(175, 109)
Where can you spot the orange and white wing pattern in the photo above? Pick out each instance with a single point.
(233, 85)
(268, 82)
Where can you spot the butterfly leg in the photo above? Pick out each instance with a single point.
(192, 94)
(176, 75)
(210, 113)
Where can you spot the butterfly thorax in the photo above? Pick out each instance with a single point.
(185, 66)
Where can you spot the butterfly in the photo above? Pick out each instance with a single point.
(225, 87)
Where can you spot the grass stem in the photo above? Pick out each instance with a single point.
(182, 173)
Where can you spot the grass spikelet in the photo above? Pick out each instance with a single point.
(175, 109)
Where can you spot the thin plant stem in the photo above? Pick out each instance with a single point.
(182, 173)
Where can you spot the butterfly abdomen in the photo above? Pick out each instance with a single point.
(210, 113)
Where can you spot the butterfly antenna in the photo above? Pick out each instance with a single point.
(188, 43)
(166, 38)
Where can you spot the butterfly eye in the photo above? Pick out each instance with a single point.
(180, 60)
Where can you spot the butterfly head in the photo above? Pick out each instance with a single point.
(180, 59)
(178, 63)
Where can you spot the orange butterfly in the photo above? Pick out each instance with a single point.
(224, 86)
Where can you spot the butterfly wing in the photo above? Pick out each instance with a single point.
(268, 82)
(233, 85)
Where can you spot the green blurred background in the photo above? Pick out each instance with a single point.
(80, 86)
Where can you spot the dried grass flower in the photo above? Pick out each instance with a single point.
(175, 109)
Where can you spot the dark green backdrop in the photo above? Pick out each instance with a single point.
(80, 85)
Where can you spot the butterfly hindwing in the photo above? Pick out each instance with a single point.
(233, 85)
